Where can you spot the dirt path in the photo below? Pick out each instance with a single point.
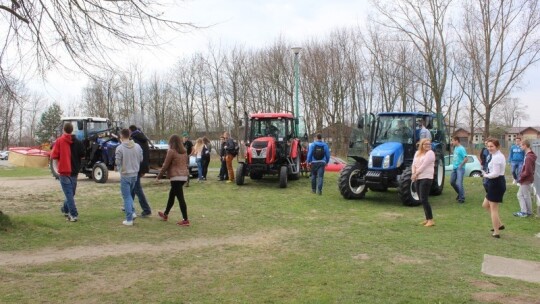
(49, 255)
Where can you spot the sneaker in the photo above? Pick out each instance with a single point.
(518, 184)
(64, 212)
(127, 223)
(134, 215)
(521, 214)
(513, 181)
(164, 217)
(183, 223)
(145, 214)
(72, 218)
(229, 181)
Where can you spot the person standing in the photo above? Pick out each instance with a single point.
(140, 138)
(68, 151)
(318, 156)
(198, 151)
(526, 178)
(206, 156)
(496, 185)
(459, 161)
(516, 157)
(230, 154)
(423, 132)
(128, 157)
(223, 175)
(176, 167)
(423, 168)
(485, 157)
(189, 148)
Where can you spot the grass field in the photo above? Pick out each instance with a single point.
(259, 244)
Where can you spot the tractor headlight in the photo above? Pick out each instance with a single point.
(370, 162)
(386, 162)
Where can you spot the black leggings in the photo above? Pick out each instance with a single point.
(177, 190)
(423, 186)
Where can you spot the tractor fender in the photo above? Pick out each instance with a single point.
(295, 150)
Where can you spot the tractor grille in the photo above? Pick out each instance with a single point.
(377, 161)
(259, 144)
(373, 174)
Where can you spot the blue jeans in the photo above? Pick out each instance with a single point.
(137, 190)
(127, 184)
(69, 186)
(456, 180)
(317, 176)
(200, 168)
(516, 169)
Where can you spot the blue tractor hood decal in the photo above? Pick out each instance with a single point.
(388, 148)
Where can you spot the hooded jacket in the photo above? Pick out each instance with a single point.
(129, 156)
(62, 152)
(141, 139)
(527, 173)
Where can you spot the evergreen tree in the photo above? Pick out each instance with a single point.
(48, 123)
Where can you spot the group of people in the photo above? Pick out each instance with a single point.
(493, 169)
(132, 162)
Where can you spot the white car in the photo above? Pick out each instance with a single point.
(4, 155)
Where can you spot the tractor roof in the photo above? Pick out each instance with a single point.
(84, 118)
(406, 114)
(272, 115)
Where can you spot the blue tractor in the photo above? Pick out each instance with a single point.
(391, 140)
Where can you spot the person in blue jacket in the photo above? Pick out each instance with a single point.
(318, 156)
(515, 159)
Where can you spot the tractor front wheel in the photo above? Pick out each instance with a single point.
(100, 173)
(407, 191)
(283, 177)
(352, 183)
(240, 174)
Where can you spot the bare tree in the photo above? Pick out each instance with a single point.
(502, 41)
(510, 112)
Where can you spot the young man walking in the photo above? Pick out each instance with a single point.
(229, 150)
(140, 138)
(516, 159)
(318, 156)
(526, 178)
(129, 156)
(460, 159)
(68, 151)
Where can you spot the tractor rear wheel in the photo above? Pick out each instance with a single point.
(438, 178)
(240, 174)
(283, 177)
(352, 183)
(100, 173)
(407, 191)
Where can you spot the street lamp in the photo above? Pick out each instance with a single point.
(296, 51)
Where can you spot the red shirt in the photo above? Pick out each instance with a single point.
(62, 152)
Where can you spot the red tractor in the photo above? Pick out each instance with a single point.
(272, 148)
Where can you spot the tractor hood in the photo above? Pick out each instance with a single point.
(386, 156)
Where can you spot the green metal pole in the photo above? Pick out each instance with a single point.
(296, 51)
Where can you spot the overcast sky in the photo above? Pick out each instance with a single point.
(255, 24)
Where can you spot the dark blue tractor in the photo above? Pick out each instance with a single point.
(383, 149)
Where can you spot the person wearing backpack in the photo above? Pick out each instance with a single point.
(318, 156)
(231, 152)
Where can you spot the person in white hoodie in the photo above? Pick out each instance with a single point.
(129, 156)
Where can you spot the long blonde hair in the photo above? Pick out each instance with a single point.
(199, 144)
(421, 143)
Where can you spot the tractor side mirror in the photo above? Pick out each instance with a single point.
(80, 125)
(360, 124)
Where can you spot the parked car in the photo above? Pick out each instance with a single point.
(473, 168)
(192, 166)
(335, 164)
(4, 155)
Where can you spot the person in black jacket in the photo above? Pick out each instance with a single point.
(223, 175)
(189, 148)
(139, 138)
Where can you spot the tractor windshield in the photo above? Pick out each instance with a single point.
(269, 127)
(394, 129)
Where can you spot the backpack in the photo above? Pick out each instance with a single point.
(318, 152)
(236, 148)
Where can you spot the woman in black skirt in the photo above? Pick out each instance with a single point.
(496, 184)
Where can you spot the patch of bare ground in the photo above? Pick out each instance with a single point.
(50, 255)
(391, 215)
(497, 297)
(484, 284)
(403, 259)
